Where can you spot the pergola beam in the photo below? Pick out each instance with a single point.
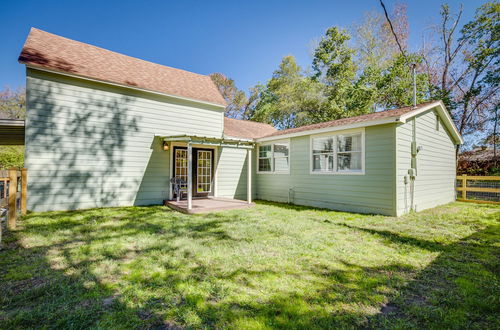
(211, 141)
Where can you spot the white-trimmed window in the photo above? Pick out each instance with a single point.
(337, 153)
(323, 154)
(265, 158)
(349, 153)
(274, 157)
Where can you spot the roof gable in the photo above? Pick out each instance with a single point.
(441, 111)
(49, 51)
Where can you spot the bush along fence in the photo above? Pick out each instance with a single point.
(13, 194)
(478, 189)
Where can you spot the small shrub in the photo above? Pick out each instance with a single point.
(11, 156)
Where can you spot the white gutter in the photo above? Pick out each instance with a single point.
(331, 129)
(395, 119)
(222, 107)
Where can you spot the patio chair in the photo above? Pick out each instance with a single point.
(177, 184)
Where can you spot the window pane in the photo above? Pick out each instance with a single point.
(265, 165)
(265, 151)
(349, 161)
(323, 144)
(280, 150)
(323, 162)
(280, 164)
(349, 142)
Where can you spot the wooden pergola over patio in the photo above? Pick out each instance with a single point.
(190, 140)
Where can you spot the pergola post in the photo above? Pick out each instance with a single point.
(249, 176)
(190, 176)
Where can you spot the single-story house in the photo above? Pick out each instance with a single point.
(105, 129)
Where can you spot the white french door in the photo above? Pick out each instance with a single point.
(204, 171)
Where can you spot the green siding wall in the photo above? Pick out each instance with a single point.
(92, 145)
(436, 167)
(232, 173)
(373, 192)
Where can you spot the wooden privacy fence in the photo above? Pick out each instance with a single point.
(478, 189)
(13, 194)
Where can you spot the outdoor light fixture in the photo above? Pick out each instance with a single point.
(165, 146)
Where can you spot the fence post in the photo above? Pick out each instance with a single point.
(464, 186)
(24, 190)
(11, 223)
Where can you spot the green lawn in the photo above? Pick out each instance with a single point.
(273, 266)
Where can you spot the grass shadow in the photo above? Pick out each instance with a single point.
(147, 267)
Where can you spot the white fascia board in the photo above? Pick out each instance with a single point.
(222, 107)
(444, 114)
(227, 137)
(12, 122)
(388, 120)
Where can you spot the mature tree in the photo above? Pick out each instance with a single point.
(374, 72)
(236, 99)
(395, 85)
(493, 138)
(11, 156)
(13, 103)
(333, 65)
(290, 98)
(374, 41)
(337, 87)
(478, 86)
(464, 66)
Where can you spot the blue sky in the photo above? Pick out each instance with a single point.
(243, 39)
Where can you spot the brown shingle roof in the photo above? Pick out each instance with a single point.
(246, 129)
(353, 120)
(50, 51)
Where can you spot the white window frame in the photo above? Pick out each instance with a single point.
(270, 157)
(334, 135)
(272, 143)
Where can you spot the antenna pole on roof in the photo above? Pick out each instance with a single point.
(413, 64)
(414, 74)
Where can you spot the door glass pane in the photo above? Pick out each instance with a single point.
(204, 171)
(181, 166)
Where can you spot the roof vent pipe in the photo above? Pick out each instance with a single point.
(414, 74)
